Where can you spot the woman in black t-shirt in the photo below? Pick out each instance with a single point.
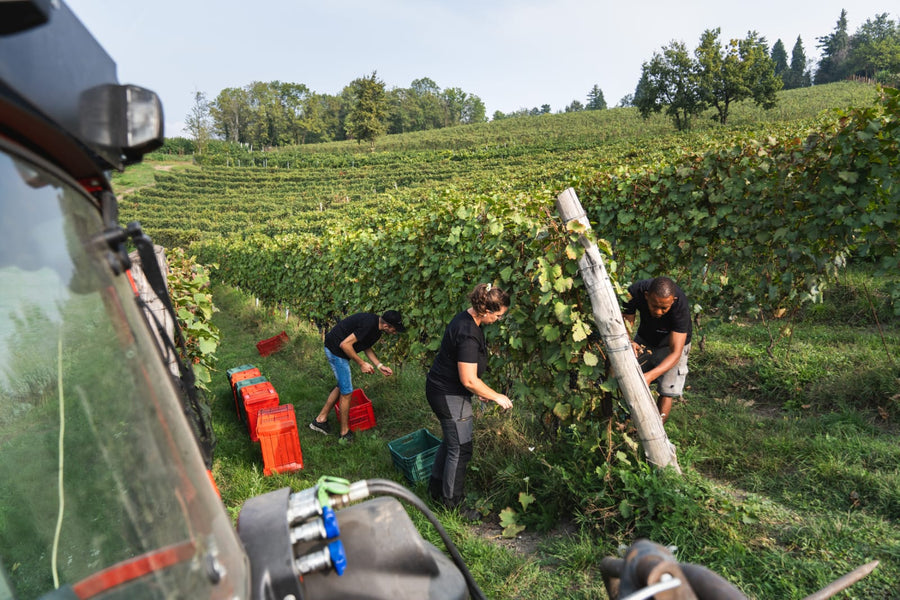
(453, 379)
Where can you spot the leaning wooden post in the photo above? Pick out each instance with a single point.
(608, 317)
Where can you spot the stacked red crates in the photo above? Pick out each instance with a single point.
(255, 398)
(279, 440)
(362, 416)
(237, 375)
(274, 426)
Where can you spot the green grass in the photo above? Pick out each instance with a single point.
(791, 462)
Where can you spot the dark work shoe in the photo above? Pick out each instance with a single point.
(347, 437)
(320, 427)
(435, 488)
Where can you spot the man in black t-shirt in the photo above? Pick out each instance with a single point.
(351, 336)
(663, 339)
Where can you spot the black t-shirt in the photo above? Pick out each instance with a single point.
(654, 332)
(364, 325)
(463, 341)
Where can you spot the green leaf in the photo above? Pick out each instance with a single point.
(562, 411)
(208, 345)
(507, 517)
(550, 333)
(591, 359)
(563, 312)
(580, 331)
(610, 385)
(512, 531)
(625, 509)
(525, 499)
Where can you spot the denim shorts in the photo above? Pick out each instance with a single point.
(341, 368)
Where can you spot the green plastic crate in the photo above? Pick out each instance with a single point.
(414, 454)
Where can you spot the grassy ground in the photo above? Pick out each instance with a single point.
(801, 440)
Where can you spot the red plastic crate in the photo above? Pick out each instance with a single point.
(238, 388)
(273, 344)
(255, 398)
(362, 416)
(251, 386)
(235, 376)
(279, 440)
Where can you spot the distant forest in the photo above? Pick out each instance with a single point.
(265, 114)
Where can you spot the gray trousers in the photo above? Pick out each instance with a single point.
(448, 474)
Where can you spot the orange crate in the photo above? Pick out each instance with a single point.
(362, 416)
(232, 372)
(279, 440)
(239, 374)
(255, 398)
(238, 388)
(273, 344)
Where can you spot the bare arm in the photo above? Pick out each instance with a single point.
(468, 375)
(379, 366)
(629, 326)
(347, 347)
(676, 347)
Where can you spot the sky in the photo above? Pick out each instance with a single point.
(512, 54)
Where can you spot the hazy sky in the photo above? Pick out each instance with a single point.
(511, 53)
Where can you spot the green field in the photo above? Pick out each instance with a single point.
(782, 228)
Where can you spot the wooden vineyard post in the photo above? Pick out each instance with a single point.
(608, 317)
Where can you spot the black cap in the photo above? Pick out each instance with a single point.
(394, 319)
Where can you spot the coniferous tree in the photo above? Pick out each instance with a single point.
(595, 100)
(798, 75)
(368, 109)
(835, 52)
(779, 57)
(575, 106)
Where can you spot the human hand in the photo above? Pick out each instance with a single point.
(504, 402)
(384, 370)
(366, 368)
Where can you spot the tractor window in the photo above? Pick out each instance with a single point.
(100, 473)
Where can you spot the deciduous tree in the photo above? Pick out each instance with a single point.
(230, 113)
(875, 48)
(737, 72)
(198, 123)
(670, 82)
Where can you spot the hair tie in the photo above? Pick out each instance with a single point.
(488, 288)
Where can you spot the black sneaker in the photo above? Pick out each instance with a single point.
(320, 427)
(347, 437)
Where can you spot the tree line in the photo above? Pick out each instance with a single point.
(674, 81)
(279, 113)
(716, 75)
(275, 113)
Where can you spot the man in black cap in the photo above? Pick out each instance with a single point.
(663, 340)
(351, 336)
